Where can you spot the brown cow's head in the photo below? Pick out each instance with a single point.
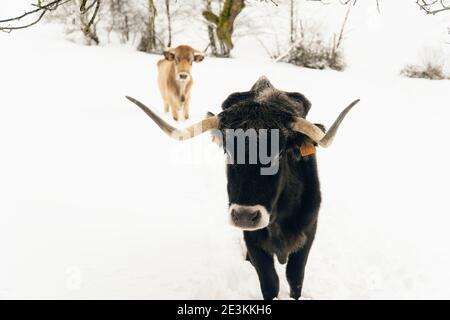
(183, 56)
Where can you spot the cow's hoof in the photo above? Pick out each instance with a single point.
(270, 293)
(295, 294)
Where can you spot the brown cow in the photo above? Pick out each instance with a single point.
(175, 78)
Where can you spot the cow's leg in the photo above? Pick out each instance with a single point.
(187, 101)
(163, 91)
(265, 268)
(295, 269)
(174, 111)
(166, 103)
(166, 106)
(174, 106)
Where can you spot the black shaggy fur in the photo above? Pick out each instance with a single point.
(292, 196)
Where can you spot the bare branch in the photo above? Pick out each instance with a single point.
(49, 6)
(341, 33)
(41, 10)
(94, 15)
(282, 56)
(433, 6)
(83, 6)
(346, 2)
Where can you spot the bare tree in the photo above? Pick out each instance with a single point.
(169, 23)
(151, 34)
(149, 41)
(293, 23)
(119, 20)
(80, 17)
(224, 24)
(89, 22)
(211, 34)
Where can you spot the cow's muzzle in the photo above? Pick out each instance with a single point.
(183, 76)
(249, 217)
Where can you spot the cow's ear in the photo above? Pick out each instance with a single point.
(198, 57)
(169, 55)
(303, 104)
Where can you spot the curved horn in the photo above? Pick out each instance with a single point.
(179, 134)
(316, 134)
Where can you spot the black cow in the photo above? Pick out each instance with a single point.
(278, 212)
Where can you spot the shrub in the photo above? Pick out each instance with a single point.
(429, 71)
(312, 51)
(315, 55)
(432, 66)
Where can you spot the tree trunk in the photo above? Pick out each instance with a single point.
(127, 29)
(211, 35)
(119, 19)
(169, 23)
(151, 36)
(292, 21)
(89, 23)
(225, 23)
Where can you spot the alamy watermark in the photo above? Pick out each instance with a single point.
(257, 147)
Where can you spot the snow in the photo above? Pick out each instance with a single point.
(97, 203)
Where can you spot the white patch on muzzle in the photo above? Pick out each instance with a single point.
(263, 222)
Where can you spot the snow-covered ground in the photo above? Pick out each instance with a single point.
(95, 202)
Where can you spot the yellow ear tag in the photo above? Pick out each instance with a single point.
(307, 149)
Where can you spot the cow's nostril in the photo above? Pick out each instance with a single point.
(245, 218)
(234, 215)
(255, 216)
(183, 76)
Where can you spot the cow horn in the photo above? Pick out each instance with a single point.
(316, 134)
(178, 134)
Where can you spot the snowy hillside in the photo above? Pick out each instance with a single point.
(97, 203)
